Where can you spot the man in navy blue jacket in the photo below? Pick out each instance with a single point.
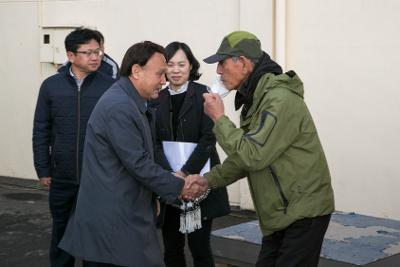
(108, 65)
(64, 105)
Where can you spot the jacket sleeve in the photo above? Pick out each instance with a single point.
(125, 135)
(159, 155)
(41, 137)
(274, 127)
(225, 174)
(205, 145)
(109, 67)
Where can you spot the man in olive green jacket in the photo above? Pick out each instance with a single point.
(276, 147)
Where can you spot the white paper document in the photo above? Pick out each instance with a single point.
(177, 154)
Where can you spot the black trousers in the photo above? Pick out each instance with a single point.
(299, 245)
(174, 242)
(62, 197)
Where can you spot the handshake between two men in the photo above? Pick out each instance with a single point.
(195, 186)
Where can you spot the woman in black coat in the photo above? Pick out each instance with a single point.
(180, 117)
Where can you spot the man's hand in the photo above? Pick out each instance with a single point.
(195, 186)
(45, 181)
(213, 106)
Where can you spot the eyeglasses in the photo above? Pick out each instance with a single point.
(89, 53)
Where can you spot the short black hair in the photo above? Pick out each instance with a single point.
(79, 37)
(170, 51)
(139, 53)
(100, 36)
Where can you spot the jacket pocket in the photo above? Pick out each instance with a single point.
(278, 187)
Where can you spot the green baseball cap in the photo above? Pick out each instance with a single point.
(237, 43)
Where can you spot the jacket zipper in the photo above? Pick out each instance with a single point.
(78, 132)
(180, 124)
(279, 187)
(171, 126)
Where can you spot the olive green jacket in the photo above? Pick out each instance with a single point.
(277, 148)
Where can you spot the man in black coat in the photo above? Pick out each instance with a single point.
(115, 216)
(64, 105)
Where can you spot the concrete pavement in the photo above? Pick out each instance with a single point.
(25, 223)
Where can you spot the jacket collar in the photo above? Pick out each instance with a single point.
(164, 100)
(189, 90)
(65, 70)
(181, 90)
(132, 92)
(187, 102)
(244, 96)
(165, 95)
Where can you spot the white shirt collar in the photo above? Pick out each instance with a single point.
(78, 82)
(181, 90)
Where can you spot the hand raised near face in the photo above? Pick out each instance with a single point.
(213, 106)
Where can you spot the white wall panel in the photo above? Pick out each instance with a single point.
(19, 79)
(347, 55)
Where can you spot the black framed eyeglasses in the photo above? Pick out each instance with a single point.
(89, 53)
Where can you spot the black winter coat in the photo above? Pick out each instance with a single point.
(59, 127)
(196, 127)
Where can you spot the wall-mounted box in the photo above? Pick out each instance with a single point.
(52, 49)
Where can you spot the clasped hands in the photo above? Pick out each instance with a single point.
(195, 186)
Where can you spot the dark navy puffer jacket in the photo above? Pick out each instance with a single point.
(59, 127)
